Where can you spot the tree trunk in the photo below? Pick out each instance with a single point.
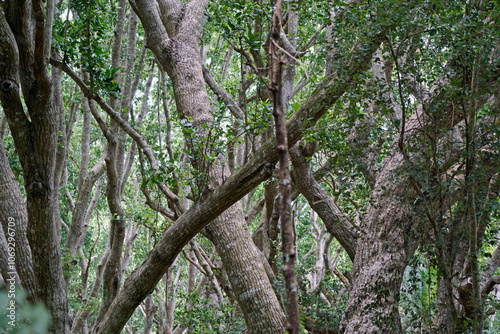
(382, 253)
(287, 226)
(258, 168)
(12, 209)
(229, 231)
(399, 216)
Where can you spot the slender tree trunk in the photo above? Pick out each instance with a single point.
(229, 231)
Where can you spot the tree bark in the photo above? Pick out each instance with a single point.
(12, 209)
(229, 231)
(25, 38)
(321, 202)
(287, 226)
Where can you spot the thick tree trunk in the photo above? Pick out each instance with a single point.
(149, 312)
(229, 231)
(319, 200)
(25, 39)
(389, 240)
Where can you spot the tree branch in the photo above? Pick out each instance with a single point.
(138, 138)
(148, 12)
(222, 94)
(143, 279)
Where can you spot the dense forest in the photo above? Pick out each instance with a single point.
(249, 166)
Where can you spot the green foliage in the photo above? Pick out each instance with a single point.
(27, 318)
(418, 296)
(207, 317)
(80, 33)
(438, 37)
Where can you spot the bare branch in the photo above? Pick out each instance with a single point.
(222, 94)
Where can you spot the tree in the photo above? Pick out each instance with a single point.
(26, 45)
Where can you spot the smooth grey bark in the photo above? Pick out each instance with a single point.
(266, 234)
(381, 257)
(457, 290)
(8, 269)
(3, 125)
(149, 311)
(222, 94)
(366, 154)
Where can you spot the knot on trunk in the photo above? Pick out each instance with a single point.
(7, 85)
(267, 169)
(308, 149)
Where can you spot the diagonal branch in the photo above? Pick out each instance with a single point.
(287, 227)
(143, 279)
(320, 201)
(222, 94)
